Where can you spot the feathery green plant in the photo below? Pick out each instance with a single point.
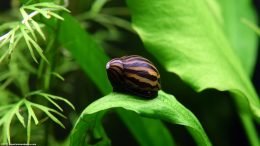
(8, 112)
(23, 108)
(28, 27)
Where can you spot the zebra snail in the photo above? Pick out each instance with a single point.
(134, 75)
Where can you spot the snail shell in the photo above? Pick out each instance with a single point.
(135, 75)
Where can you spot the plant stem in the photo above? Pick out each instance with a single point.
(47, 78)
(250, 129)
(51, 50)
(247, 121)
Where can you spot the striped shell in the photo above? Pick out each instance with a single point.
(135, 75)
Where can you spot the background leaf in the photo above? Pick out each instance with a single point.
(86, 51)
(192, 45)
(164, 107)
(234, 28)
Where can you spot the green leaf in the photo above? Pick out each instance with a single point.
(93, 60)
(54, 118)
(50, 5)
(38, 29)
(164, 107)
(91, 126)
(30, 113)
(57, 98)
(143, 136)
(12, 42)
(51, 101)
(43, 12)
(20, 117)
(26, 38)
(234, 12)
(55, 15)
(186, 40)
(5, 39)
(8, 119)
(47, 110)
(58, 76)
(38, 49)
(88, 54)
(26, 23)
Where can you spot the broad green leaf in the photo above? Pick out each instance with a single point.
(92, 59)
(164, 107)
(243, 39)
(187, 40)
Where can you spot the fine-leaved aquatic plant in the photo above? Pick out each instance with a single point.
(25, 108)
(28, 27)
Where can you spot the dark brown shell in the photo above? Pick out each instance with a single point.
(134, 74)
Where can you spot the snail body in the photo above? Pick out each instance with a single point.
(135, 75)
